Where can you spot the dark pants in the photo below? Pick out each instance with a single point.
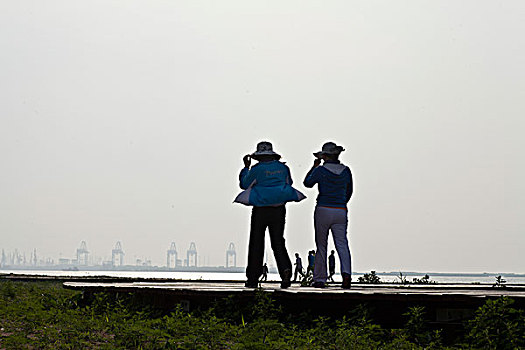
(298, 271)
(273, 218)
(331, 273)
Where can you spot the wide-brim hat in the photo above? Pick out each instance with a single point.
(264, 148)
(329, 148)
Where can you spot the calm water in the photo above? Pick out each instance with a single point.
(239, 276)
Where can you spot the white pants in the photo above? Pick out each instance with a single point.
(336, 220)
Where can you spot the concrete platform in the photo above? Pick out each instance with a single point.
(444, 304)
(232, 287)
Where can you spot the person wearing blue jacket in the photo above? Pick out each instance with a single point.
(335, 185)
(267, 187)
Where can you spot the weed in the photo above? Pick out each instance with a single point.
(423, 280)
(43, 315)
(497, 325)
(500, 282)
(402, 278)
(370, 278)
(7, 290)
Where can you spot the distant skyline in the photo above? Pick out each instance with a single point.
(128, 120)
(98, 258)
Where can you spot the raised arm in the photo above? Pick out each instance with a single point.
(247, 177)
(312, 176)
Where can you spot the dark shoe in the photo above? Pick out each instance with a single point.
(347, 281)
(251, 284)
(287, 276)
(318, 284)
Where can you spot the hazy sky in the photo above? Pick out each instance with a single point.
(127, 120)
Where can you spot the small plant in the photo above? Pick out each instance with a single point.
(371, 278)
(500, 282)
(416, 329)
(416, 323)
(265, 307)
(402, 278)
(8, 290)
(496, 325)
(307, 280)
(423, 280)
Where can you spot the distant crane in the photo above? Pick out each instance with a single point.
(3, 262)
(191, 255)
(16, 258)
(117, 255)
(82, 254)
(171, 260)
(231, 255)
(34, 260)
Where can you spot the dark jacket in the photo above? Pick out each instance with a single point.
(334, 183)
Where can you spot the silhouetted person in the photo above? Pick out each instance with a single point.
(334, 182)
(268, 187)
(298, 267)
(311, 262)
(331, 266)
(264, 273)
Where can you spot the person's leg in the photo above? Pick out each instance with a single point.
(339, 232)
(256, 244)
(322, 223)
(276, 229)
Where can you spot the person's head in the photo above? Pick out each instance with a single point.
(330, 157)
(329, 152)
(265, 153)
(296, 255)
(333, 252)
(265, 158)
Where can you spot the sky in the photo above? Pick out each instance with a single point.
(128, 120)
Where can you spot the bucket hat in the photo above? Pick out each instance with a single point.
(329, 148)
(264, 148)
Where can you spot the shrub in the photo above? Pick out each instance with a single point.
(370, 278)
(497, 325)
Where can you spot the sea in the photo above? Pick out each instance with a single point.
(386, 277)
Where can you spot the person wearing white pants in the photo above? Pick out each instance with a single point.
(335, 187)
(336, 220)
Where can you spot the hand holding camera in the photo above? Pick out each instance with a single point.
(247, 161)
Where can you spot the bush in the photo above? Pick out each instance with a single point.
(370, 278)
(45, 316)
(497, 325)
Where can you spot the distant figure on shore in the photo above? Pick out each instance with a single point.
(311, 262)
(298, 267)
(267, 187)
(335, 187)
(331, 266)
(264, 273)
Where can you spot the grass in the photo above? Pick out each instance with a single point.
(43, 315)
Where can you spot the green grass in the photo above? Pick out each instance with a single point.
(43, 315)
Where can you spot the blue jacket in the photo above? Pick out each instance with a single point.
(311, 260)
(334, 183)
(267, 184)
